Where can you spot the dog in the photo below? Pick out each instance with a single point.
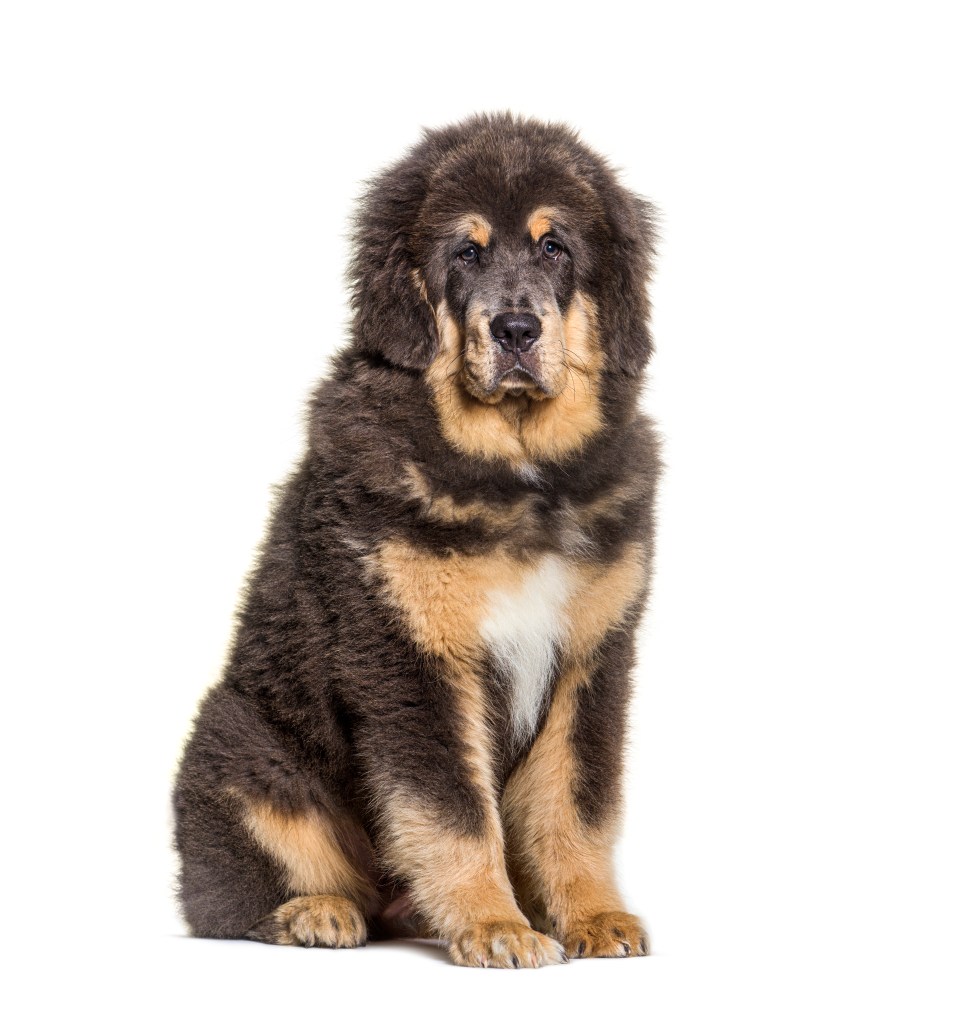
(420, 724)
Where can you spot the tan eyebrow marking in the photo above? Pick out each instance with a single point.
(540, 222)
(476, 228)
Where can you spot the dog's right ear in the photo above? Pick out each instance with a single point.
(391, 314)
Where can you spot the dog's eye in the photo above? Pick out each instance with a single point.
(551, 249)
(470, 254)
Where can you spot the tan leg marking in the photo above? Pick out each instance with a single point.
(332, 921)
(310, 847)
(456, 880)
(568, 863)
(460, 887)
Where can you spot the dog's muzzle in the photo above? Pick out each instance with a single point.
(516, 334)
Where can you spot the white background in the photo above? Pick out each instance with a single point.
(175, 184)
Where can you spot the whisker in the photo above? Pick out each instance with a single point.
(574, 362)
(581, 363)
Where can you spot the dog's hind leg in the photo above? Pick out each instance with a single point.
(263, 844)
(252, 870)
(333, 893)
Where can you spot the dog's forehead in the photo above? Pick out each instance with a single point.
(514, 213)
(488, 226)
(507, 187)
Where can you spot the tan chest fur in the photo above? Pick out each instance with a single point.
(525, 613)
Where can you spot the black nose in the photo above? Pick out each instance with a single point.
(515, 332)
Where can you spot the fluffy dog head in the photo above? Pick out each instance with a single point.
(502, 258)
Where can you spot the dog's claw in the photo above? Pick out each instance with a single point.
(612, 933)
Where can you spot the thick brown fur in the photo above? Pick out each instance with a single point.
(420, 726)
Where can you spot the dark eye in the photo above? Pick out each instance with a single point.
(470, 254)
(551, 249)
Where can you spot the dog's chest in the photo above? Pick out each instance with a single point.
(522, 626)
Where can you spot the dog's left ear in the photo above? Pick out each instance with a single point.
(391, 315)
(632, 223)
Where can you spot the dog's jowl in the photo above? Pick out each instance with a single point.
(419, 729)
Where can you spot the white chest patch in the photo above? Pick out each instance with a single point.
(520, 628)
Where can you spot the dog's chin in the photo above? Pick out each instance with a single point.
(520, 382)
(514, 384)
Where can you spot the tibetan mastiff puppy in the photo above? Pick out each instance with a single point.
(420, 725)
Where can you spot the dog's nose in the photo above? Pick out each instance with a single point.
(515, 332)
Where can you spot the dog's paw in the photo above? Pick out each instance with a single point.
(612, 934)
(332, 921)
(504, 944)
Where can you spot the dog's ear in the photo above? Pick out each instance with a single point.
(391, 314)
(626, 307)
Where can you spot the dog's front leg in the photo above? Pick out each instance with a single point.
(561, 812)
(440, 830)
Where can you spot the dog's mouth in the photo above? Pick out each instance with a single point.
(518, 379)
